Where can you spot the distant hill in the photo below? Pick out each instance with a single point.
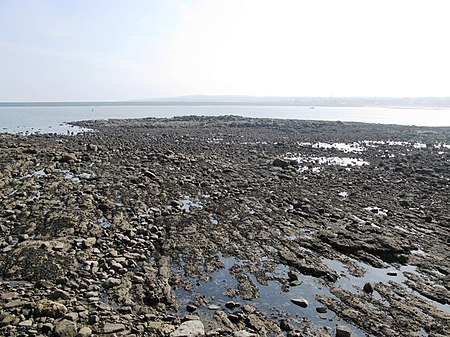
(401, 102)
(443, 102)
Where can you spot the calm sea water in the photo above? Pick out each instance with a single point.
(39, 119)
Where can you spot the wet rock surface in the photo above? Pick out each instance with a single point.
(212, 226)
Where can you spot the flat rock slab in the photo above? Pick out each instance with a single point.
(112, 328)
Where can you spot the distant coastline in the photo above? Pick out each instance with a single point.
(387, 102)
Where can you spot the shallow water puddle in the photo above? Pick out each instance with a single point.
(335, 161)
(344, 147)
(355, 284)
(274, 300)
(103, 222)
(188, 204)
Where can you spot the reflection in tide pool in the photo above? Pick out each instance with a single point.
(274, 300)
(355, 284)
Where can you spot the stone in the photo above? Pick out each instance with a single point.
(89, 242)
(110, 328)
(84, 332)
(27, 323)
(49, 308)
(321, 310)
(68, 157)
(231, 305)
(92, 147)
(368, 288)
(71, 316)
(47, 327)
(190, 317)
(154, 325)
(65, 328)
(9, 296)
(189, 329)
(58, 246)
(244, 333)
(293, 276)
(59, 294)
(343, 331)
(280, 163)
(13, 304)
(7, 320)
(112, 282)
(93, 319)
(301, 302)
(285, 326)
(191, 308)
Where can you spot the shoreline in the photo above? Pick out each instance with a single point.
(148, 226)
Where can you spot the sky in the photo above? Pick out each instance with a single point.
(97, 50)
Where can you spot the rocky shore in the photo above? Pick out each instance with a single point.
(226, 226)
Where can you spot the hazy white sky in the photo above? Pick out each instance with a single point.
(115, 50)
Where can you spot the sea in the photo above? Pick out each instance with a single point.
(32, 119)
